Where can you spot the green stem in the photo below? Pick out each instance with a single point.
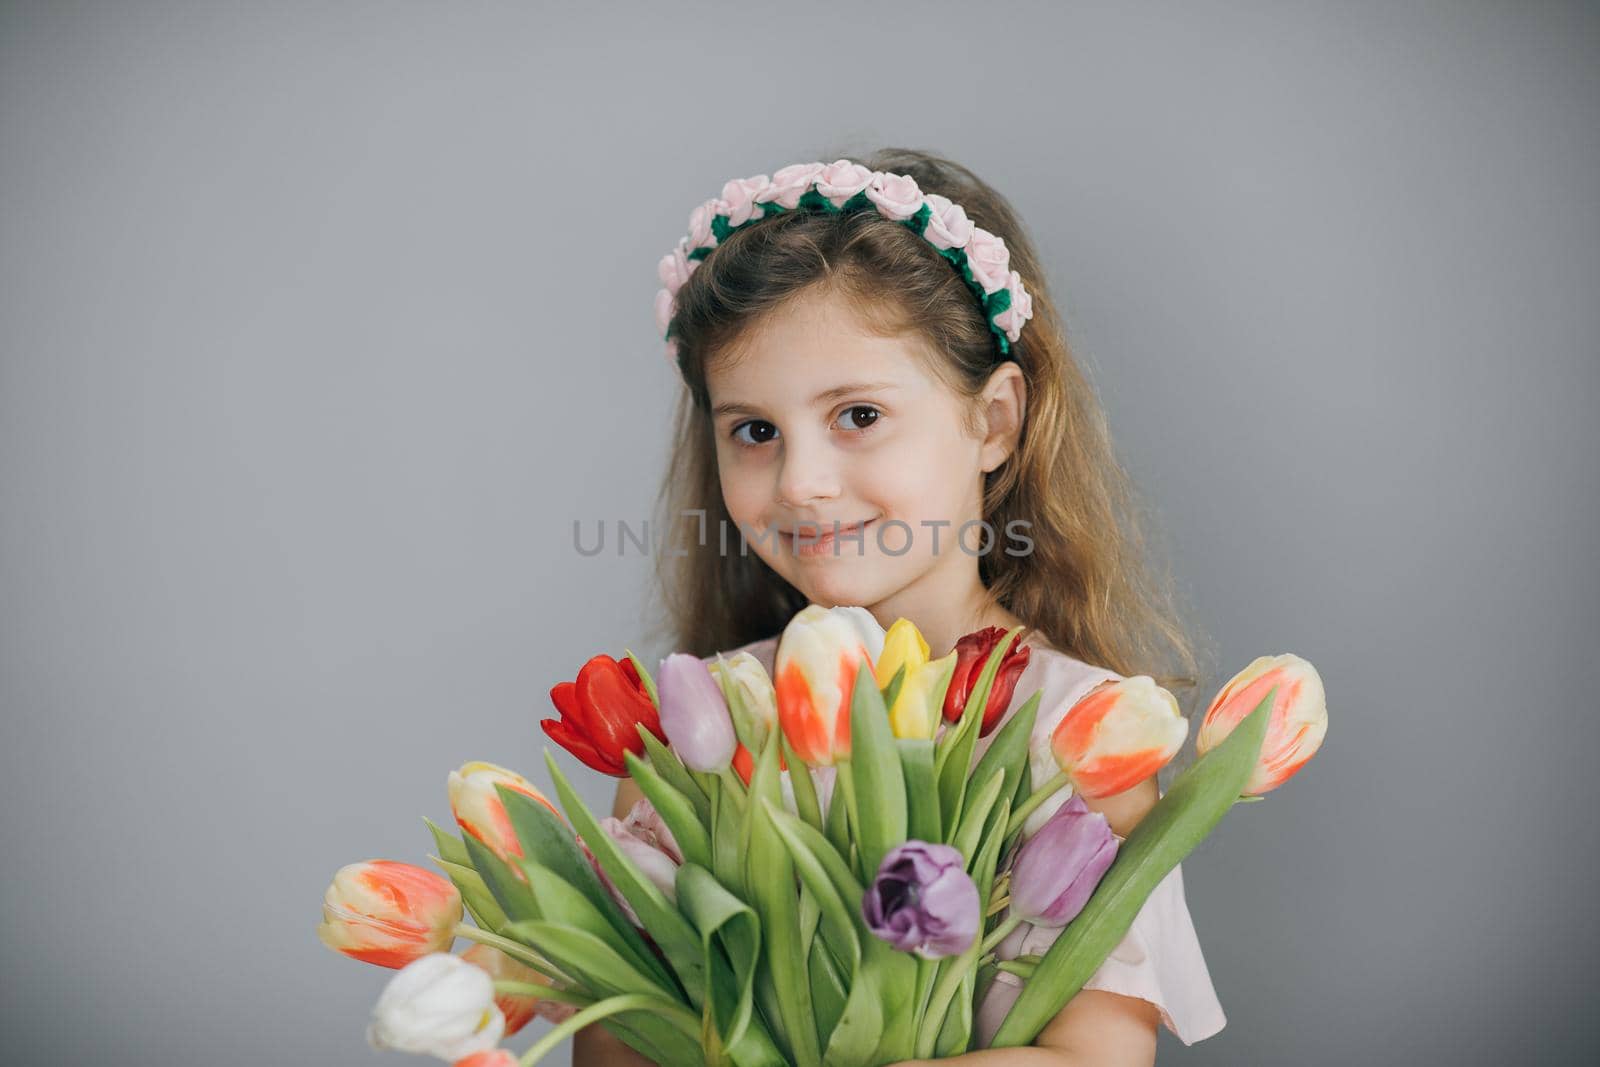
(1037, 797)
(998, 934)
(844, 781)
(673, 1014)
(515, 949)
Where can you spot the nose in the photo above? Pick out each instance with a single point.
(808, 474)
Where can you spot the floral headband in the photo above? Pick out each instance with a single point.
(843, 186)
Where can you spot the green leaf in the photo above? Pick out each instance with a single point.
(451, 850)
(771, 883)
(830, 988)
(922, 794)
(589, 959)
(648, 682)
(675, 809)
(728, 834)
(861, 1025)
(830, 883)
(559, 902)
(675, 774)
(874, 767)
(953, 761)
(1009, 749)
(475, 895)
(805, 789)
(892, 690)
(1181, 819)
(509, 891)
(667, 926)
(970, 833)
(731, 938)
(548, 840)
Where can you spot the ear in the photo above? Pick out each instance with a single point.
(1004, 402)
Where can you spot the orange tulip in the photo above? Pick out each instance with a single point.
(489, 1057)
(477, 807)
(518, 1008)
(1296, 724)
(389, 913)
(1117, 736)
(818, 656)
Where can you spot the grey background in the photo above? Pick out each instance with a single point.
(321, 323)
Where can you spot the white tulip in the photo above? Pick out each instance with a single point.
(438, 1005)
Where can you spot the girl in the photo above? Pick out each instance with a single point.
(850, 404)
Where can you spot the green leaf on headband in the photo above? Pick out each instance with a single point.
(1181, 819)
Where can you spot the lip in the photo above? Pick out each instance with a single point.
(823, 544)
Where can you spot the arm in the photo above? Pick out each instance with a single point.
(595, 1046)
(1094, 1028)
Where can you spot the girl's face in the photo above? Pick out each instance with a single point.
(818, 421)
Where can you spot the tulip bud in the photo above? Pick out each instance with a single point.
(438, 1005)
(903, 646)
(1296, 724)
(972, 652)
(601, 713)
(1057, 869)
(923, 900)
(389, 913)
(518, 1008)
(818, 656)
(1118, 735)
(644, 838)
(478, 808)
(694, 713)
(751, 699)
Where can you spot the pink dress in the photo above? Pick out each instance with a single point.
(1159, 959)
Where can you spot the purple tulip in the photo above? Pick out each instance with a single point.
(923, 901)
(694, 714)
(1057, 869)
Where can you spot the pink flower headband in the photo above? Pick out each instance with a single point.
(842, 186)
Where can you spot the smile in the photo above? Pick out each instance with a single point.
(822, 541)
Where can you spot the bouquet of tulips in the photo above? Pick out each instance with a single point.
(812, 877)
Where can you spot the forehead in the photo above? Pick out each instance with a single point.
(810, 345)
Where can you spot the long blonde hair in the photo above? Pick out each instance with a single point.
(1088, 585)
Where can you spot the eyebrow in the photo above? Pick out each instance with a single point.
(827, 396)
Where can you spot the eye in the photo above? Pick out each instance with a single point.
(859, 417)
(764, 431)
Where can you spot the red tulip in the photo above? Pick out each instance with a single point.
(972, 652)
(600, 713)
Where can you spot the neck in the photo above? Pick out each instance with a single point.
(946, 604)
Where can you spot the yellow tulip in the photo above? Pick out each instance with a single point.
(903, 645)
(917, 707)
